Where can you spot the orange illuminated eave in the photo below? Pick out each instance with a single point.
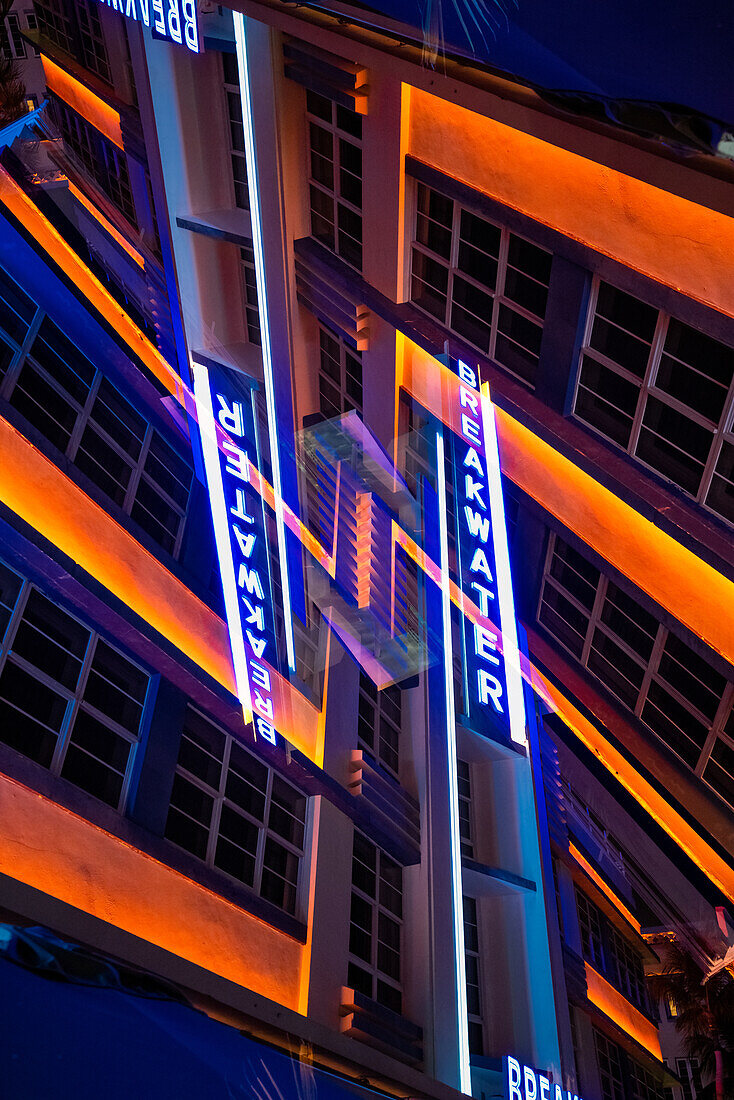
(106, 224)
(61, 854)
(621, 1012)
(605, 888)
(76, 95)
(47, 236)
(666, 237)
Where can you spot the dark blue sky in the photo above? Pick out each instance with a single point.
(675, 51)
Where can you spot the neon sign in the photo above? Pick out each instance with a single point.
(226, 425)
(525, 1083)
(172, 19)
(495, 685)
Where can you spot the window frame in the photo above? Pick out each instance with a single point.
(334, 194)
(499, 299)
(378, 909)
(220, 800)
(74, 698)
(716, 729)
(722, 431)
(83, 414)
(346, 403)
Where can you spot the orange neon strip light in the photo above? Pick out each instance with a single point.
(624, 1014)
(671, 239)
(605, 888)
(31, 218)
(86, 867)
(106, 224)
(98, 114)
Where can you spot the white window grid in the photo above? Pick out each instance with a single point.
(31, 23)
(340, 375)
(722, 431)
(473, 964)
(720, 730)
(381, 916)
(689, 1074)
(249, 294)
(379, 722)
(12, 46)
(236, 138)
(609, 1062)
(498, 296)
(466, 831)
(350, 248)
(83, 413)
(220, 801)
(75, 703)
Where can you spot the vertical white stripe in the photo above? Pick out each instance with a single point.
(457, 898)
(257, 242)
(508, 623)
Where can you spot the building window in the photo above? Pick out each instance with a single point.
(643, 1086)
(627, 971)
(85, 417)
(56, 23)
(97, 157)
(662, 391)
(237, 815)
(68, 699)
(76, 29)
(487, 285)
(94, 51)
(340, 375)
(473, 983)
(609, 1061)
(678, 694)
(375, 926)
(379, 722)
(335, 177)
(249, 294)
(12, 46)
(606, 949)
(689, 1074)
(463, 770)
(17, 311)
(236, 130)
(590, 928)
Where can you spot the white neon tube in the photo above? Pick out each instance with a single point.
(508, 623)
(456, 884)
(220, 517)
(256, 220)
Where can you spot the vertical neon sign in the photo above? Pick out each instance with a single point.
(495, 684)
(239, 531)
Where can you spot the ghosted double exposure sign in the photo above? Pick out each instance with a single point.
(226, 421)
(494, 688)
(175, 20)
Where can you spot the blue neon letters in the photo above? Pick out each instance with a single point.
(487, 680)
(524, 1083)
(174, 19)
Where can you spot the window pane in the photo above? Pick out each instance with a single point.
(606, 400)
(673, 444)
(31, 714)
(721, 494)
(51, 640)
